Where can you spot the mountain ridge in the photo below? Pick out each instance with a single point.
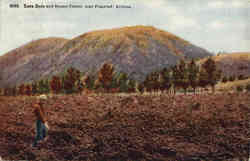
(136, 50)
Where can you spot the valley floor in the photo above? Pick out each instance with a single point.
(202, 127)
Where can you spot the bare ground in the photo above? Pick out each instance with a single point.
(204, 127)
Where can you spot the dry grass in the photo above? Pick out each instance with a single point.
(230, 86)
(235, 56)
(140, 35)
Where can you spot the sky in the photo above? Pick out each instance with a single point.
(216, 25)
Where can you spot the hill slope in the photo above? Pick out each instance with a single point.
(136, 50)
(233, 63)
(29, 61)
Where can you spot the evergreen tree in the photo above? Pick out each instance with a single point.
(43, 86)
(183, 75)
(121, 81)
(213, 73)
(105, 75)
(34, 87)
(21, 89)
(166, 82)
(203, 78)
(224, 79)
(55, 84)
(193, 74)
(71, 80)
(176, 77)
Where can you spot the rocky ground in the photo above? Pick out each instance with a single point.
(202, 127)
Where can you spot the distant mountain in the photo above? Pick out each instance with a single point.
(233, 64)
(136, 50)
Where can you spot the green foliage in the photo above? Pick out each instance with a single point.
(241, 77)
(55, 84)
(121, 81)
(213, 74)
(151, 81)
(232, 78)
(105, 75)
(193, 75)
(248, 87)
(224, 79)
(165, 79)
(71, 80)
(43, 86)
(34, 86)
(239, 88)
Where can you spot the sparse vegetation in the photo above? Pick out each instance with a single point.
(129, 127)
(248, 87)
(239, 88)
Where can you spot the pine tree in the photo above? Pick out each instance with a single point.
(176, 77)
(34, 87)
(213, 73)
(105, 75)
(121, 81)
(203, 78)
(21, 89)
(166, 82)
(193, 73)
(28, 89)
(71, 79)
(55, 84)
(43, 86)
(183, 75)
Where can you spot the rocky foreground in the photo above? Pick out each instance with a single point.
(111, 127)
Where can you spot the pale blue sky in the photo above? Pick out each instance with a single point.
(216, 25)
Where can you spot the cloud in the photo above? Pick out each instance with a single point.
(193, 21)
(227, 4)
(217, 25)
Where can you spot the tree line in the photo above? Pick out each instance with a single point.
(184, 76)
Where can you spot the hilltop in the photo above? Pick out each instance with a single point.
(136, 50)
(233, 64)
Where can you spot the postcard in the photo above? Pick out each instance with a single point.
(125, 80)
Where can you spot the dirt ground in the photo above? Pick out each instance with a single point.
(110, 127)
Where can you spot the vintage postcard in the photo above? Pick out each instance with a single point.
(125, 80)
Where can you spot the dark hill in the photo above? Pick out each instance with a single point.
(136, 50)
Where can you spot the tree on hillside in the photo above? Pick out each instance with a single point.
(203, 80)
(43, 86)
(131, 84)
(105, 75)
(166, 79)
(55, 84)
(183, 75)
(232, 78)
(193, 74)
(1, 78)
(21, 89)
(28, 89)
(71, 79)
(121, 80)
(88, 81)
(151, 82)
(175, 77)
(224, 79)
(34, 87)
(213, 73)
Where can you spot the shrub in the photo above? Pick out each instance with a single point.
(224, 79)
(239, 88)
(241, 77)
(248, 87)
(232, 78)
